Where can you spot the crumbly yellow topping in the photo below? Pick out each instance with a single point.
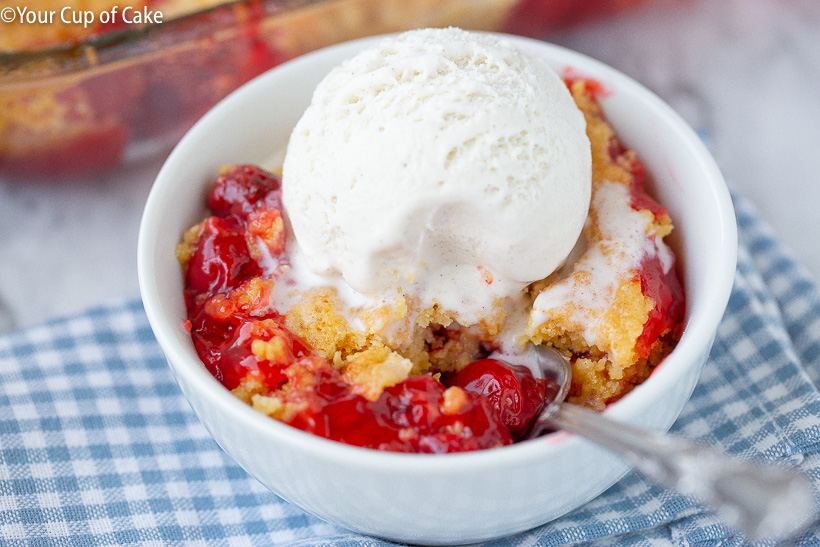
(375, 369)
(609, 369)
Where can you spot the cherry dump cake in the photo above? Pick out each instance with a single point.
(402, 375)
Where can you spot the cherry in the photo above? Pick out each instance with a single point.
(665, 290)
(239, 189)
(221, 258)
(515, 394)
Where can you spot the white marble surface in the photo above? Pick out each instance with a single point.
(747, 72)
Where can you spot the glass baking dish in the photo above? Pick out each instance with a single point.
(129, 93)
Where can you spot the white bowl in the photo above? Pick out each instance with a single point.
(435, 499)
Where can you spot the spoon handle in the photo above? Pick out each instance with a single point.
(761, 501)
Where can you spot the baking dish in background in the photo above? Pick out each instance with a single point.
(128, 92)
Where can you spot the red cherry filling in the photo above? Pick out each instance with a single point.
(411, 416)
(665, 290)
(221, 259)
(515, 394)
(238, 190)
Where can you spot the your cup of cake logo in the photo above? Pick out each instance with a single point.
(22, 14)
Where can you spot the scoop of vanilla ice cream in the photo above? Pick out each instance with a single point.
(444, 165)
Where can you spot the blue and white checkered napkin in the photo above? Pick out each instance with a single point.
(98, 446)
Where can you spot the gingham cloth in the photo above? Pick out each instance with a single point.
(98, 446)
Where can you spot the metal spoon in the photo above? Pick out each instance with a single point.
(763, 502)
